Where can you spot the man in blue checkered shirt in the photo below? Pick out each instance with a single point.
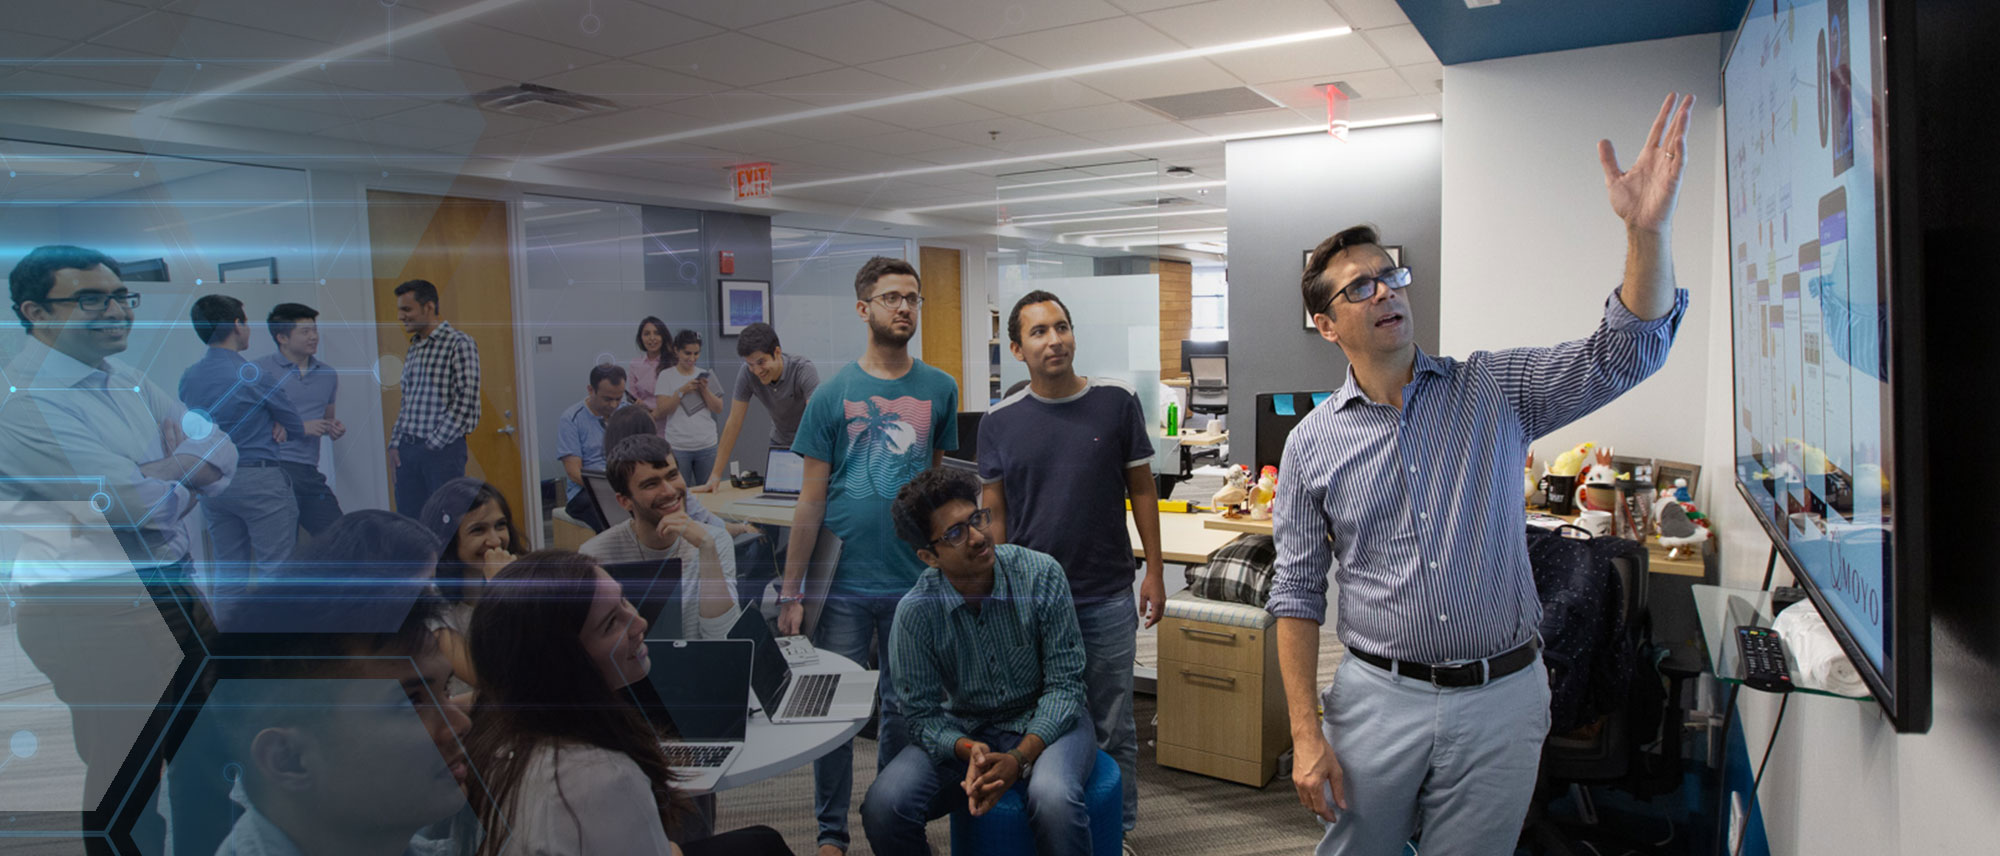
(440, 398)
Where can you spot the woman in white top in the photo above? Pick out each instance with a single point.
(572, 767)
(685, 403)
(476, 525)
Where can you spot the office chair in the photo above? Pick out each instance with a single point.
(1208, 387)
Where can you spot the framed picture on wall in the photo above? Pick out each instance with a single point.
(744, 302)
(1395, 255)
(252, 271)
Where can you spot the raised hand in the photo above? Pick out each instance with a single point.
(1644, 196)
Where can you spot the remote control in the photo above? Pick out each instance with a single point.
(1764, 663)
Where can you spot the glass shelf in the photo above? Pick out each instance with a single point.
(1721, 611)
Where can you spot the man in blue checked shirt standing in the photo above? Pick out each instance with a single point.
(989, 665)
(1410, 476)
(440, 398)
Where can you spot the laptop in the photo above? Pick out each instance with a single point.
(784, 477)
(789, 696)
(598, 486)
(654, 588)
(697, 698)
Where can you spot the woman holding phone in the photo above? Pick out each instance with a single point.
(685, 404)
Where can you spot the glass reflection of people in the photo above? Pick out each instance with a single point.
(685, 404)
(572, 767)
(1409, 476)
(476, 525)
(101, 466)
(312, 387)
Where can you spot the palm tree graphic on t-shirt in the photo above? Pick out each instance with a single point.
(888, 444)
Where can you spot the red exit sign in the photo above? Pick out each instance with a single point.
(751, 180)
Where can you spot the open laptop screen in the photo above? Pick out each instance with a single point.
(769, 669)
(784, 472)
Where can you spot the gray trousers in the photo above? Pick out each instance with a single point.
(1461, 762)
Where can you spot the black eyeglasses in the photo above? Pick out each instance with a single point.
(955, 536)
(97, 301)
(892, 302)
(1396, 279)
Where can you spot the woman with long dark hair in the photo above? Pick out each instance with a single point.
(476, 525)
(685, 407)
(656, 351)
(572, 766)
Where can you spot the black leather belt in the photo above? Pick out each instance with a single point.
(1470, 674)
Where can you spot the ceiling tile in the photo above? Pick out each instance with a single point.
(468, 121)
(353, 105)
(1137, 6)
(484, 50)
(330, 21)
(1307, 94)
(840, 128)
(630, 84)
(403, 75)
(73, 20)
(586, 133)
(905, 142)
(1097, 118)
(1222, 21)
(735, 59)
(954, 65)
(736, 14)
(1426, 78)
(248, 114)
(736, 105)
(1136, 136)
(1369, 14)
(608, 27)
(1041, 144)
(1395, 108)
(1038, 97)
(200, 39)
(1400, 45)
(1174, 78)
(1084, 44)
(1342, 55)
(959, 154)
(858, 33)
(981, 132)
(402, 137)
(23, 46)
(752, 144)
(839, 86)
(839, 160)
(96, 93)
(1249, 123)
(932, 113)
(993, 20)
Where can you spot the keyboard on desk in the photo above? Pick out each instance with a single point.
(696, 755)
(812, 695)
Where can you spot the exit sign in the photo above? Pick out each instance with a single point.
(751, 180)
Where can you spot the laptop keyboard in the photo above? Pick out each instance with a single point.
(812, 695)
(696, 756)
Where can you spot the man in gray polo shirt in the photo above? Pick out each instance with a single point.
(312, 387)
(782, 382)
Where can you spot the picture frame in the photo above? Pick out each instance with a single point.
(1395, 255)
(744, 302)
(1628, 465)
(1664, 473)
(251, 271)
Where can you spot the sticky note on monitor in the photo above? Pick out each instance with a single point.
(1283, 405)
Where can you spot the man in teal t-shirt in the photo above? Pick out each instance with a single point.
(865, 433)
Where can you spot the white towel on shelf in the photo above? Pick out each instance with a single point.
(1817, 661)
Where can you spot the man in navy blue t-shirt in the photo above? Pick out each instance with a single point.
(1059, 459)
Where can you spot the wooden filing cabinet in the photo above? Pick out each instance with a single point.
(1222, 702)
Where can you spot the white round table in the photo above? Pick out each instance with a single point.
(770, 749)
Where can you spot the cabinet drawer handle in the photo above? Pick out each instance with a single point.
(1196, 631)
(1191, 674)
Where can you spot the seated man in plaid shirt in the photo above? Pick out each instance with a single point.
(989, 666)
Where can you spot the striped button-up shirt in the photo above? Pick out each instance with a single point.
(1422, 507)
(1014, 663)
(440, 389)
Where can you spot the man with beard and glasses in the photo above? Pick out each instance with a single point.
(650, 486)
(866, 432)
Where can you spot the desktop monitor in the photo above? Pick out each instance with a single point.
(968, 436)
(1191, 348)
(1277, 414)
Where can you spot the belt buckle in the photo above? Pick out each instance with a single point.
(1457, 669)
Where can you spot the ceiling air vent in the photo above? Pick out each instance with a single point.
(541, 103)
(1204, 105)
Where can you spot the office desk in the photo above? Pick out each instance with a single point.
(725, 502)
(771, 750)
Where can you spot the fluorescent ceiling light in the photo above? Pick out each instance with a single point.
(1118, 210)
(426, 25)
(1130, 230)
(1081, 194)
(1167, 213)
(954, 91)
(1146, 174)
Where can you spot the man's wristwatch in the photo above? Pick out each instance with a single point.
(1022, 759)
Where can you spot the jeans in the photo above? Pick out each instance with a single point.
(913, 791)
(756, 566)
(423, 471)
(1110, 643)
(695, 464)
(847, 626)
(1464, 759)
(253, 524)
(583, 510)
(317, 506)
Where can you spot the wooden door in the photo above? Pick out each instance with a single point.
(943, 327)
(460, 245)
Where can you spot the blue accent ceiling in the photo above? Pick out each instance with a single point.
(1519, 27)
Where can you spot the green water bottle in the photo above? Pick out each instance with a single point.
(1173, 419)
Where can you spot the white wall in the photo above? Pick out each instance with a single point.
(1531, 248)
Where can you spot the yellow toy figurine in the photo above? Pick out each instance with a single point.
(1570, 464)
(1262, 495)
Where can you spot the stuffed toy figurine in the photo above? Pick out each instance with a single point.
(1571, 463)
(1265, 492)
(1600, 484)
(1235, 489)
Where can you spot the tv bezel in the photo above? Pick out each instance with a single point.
(1904, 693)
